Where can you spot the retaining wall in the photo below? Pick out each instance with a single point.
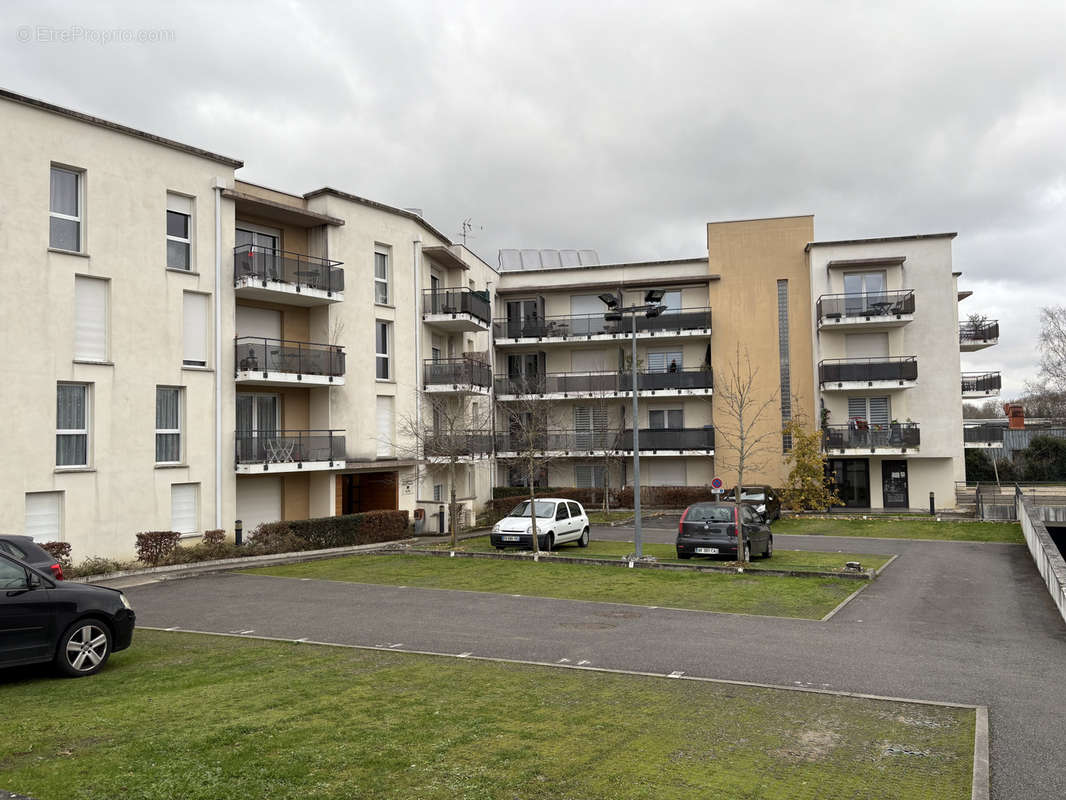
(1049, 560)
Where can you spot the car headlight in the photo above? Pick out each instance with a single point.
(529, 529)
(125, 600)
(496, 528)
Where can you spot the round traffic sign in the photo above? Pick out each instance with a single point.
(716, 483)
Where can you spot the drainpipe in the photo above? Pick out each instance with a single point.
(416, 261)
(218, 186)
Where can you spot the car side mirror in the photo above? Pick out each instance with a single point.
(32, 581)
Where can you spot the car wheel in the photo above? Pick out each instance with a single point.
(84, 648)
(550, 542)
(769, 548)
(584, 540)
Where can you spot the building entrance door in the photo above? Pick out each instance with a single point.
(852, 479)
(894, 484)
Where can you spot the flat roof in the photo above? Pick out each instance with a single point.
(114, 126)
(874, 240)
(622, 264)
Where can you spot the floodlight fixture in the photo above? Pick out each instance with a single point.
(654, 311)
(609, 300)
(654, 295)
(613, 316)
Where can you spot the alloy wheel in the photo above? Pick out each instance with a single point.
(86, 647)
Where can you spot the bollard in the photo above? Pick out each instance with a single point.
(440, 517)
(932, 503)
(238, 532)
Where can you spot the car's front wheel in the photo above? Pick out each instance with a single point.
(769, 548)
(584, 540)
(83, 648)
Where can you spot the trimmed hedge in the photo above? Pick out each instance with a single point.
(370, 527)
(154, 547)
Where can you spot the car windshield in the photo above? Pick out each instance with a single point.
(709, 514)
(752, 494)
(542, 507)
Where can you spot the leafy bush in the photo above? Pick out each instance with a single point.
(60, 551)
(153, 547)
(98, 566)
(214, 537)
(275, 537)
(369, 527)
(204, 551)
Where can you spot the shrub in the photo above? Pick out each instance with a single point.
(153, 547)
(98, 566)
(214, 537)
(203, 551)
(369, 527)
(275, 537)
(60, 551)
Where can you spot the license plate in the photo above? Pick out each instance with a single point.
(707, 551)
(514, 539)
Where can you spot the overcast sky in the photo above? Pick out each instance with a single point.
(621, 127)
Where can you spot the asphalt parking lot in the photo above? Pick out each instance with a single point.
(954, 622)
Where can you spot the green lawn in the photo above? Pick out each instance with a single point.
(810, 598)
(904, 529)
(208, 718)
(602, 518)
(782, 559)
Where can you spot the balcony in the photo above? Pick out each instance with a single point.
(595, 327)
(982, 436)
(653, 442)
(456, 310)
(978, 336)
(860, 311)
(849, 374)
(279, 276)
(463, 446)
(283, 362)
(980, 384)
(258, 452)
(579, 385)
(457, 376)
(862, 438)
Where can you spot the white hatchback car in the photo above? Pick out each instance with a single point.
(558, 521)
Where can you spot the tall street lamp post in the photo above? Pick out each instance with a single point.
(652, 307)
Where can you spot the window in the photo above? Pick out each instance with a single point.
(382, 343)
(90, 319)
(590, 476)
(385, 425)
(381, 274)
(168, 425)
(672, 301)
(179, 231)
(590, 426)
(44, 516)
(438, 492)
(64, 209)
(671, 418)
(664, 360)
(875, 410)
(184, 507)
(72, 425)
(194, 330)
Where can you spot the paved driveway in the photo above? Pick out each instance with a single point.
(948, 621)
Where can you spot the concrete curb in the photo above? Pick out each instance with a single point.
(980, 790)
(177, 571)
(867, 575)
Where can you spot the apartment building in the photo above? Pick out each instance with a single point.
(186, 349)
(563, 359)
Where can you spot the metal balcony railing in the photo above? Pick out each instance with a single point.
(459, 444)
(284, 447)
(701, 439)
(605, 382)
(871, 436)
(457, 301)
(980, 382)
(457, 372)
(266, 264)
(864, 305)
(982, 434)
(983, 332)
(259, 354)
(839, 370)
(534, 327)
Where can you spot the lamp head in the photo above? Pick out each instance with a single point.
(654, 296)
(609, 300)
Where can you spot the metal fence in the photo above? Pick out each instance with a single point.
(839, 370)
(860, 305)
(457, 301)
(606, 382)
(283, 447)
(267, 264)
(534, 327)
(986, 331)
(980, 382)
(700, 439)
(891, 436)
(982, 434)
(457, 372)
(259, 354)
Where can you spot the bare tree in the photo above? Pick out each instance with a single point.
(1053, 347)
(451, 434)
(609, 437)
(527, 443)
(989, 409)
(741, 407)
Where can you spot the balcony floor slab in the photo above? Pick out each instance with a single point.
(456, 323)
(878, 322)
(284, 379)
(854, 386)
(603, 337)
(274, 467)
(286, 293)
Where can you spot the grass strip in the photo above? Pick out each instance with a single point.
(904, 529)
(208, 718)
(769, 595)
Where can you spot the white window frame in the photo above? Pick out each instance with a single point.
(383, 283)
(189, 267)
(172, 431)
(204, 333)
(84, 280)
(386, 355)
(85, 387)
(79, 175)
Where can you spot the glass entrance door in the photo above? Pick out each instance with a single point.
(894, 484)
(852, 479)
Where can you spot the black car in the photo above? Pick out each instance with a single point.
(710, 529)
(25, 549)
(762, 498)
(74, 625)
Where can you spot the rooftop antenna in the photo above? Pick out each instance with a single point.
(465, 227)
